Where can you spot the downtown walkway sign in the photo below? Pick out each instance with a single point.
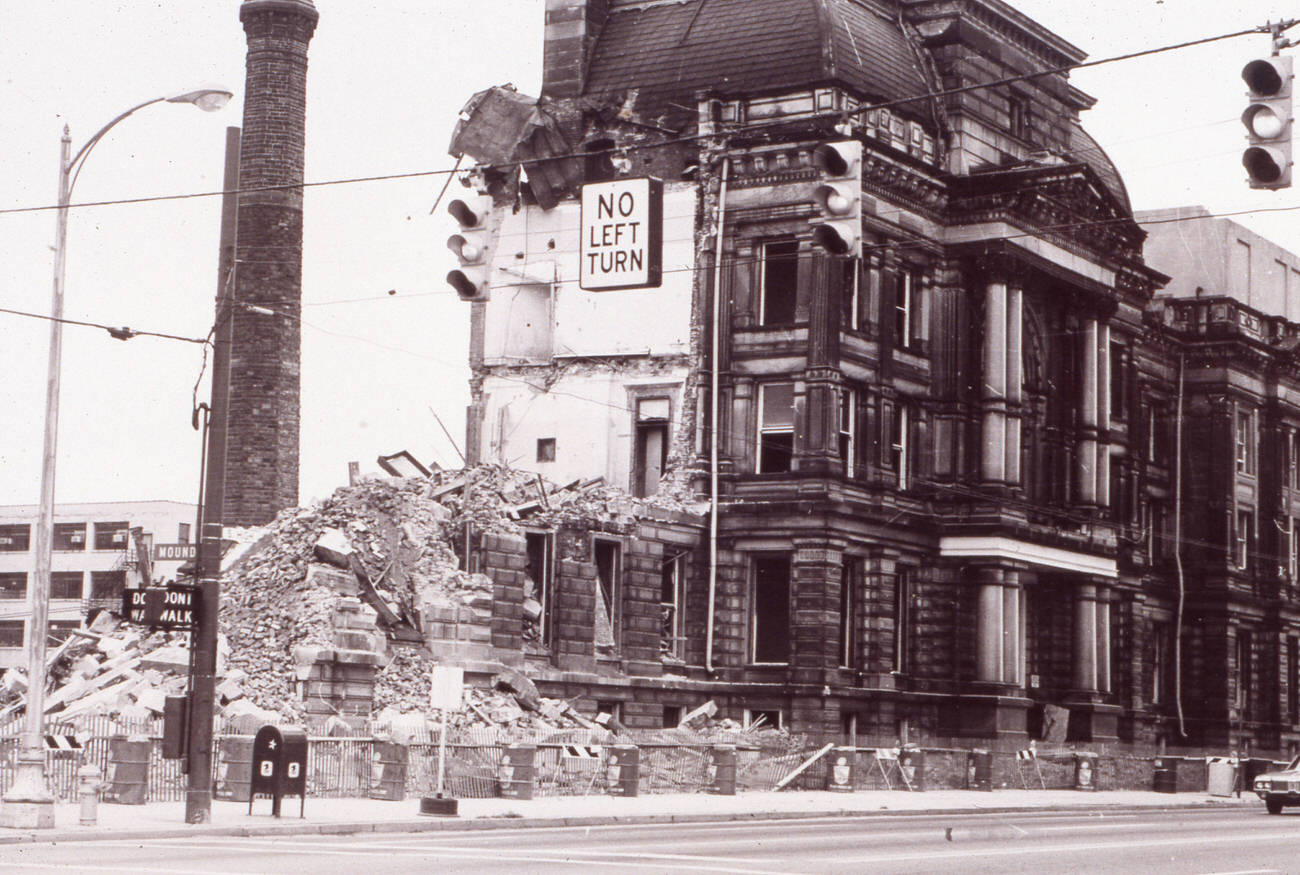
(622, 227)
(161, 607)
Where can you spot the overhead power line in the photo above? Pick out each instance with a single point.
(749, 129)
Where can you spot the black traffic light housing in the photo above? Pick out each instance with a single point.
(838, 197)
(473, 246)
(1268, 121)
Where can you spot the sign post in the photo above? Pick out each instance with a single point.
(446, 689)
(622, 227)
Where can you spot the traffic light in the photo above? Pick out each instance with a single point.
(473, 247)
(838, 227)
(1268, 122)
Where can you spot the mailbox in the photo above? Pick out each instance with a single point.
(279, 766)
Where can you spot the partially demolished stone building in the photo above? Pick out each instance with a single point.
(942, 469)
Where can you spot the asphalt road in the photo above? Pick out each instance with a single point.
(1216, 841)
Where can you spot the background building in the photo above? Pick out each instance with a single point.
(97, 551)
(952, 428)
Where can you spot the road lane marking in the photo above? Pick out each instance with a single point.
(1065, 849)
(598, 858)
(143, 867)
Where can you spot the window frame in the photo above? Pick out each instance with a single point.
(66, 576)
(1244, 440)
(14, 586)
(753, 620)
(642, 426)
(851, 577)
(118, 579)
(766, 294)
(848, 430)
(8, 626)
(544, 589)
(673, 629)
(1241, 539)
(111, 536)
(65, 538)
(902, 616)
(15, 537)
(764, 431)
(609, 586)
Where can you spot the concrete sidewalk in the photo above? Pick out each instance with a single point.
(351, 816)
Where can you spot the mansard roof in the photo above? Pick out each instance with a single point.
(667, 51)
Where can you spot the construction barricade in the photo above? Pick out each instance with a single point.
(516, 772)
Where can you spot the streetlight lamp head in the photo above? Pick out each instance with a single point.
(208, 98)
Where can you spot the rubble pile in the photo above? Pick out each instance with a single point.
(354, 579)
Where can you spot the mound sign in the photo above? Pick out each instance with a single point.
(622, 234)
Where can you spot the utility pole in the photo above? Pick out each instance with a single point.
(198, 795)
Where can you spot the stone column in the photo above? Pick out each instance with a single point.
(993, 428)
(1103, 641)
(1014, 369)
(1103, 414)
(1087, 455)
(1011, 644)
(989, 630)
(1085, 637)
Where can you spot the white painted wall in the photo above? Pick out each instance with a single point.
(535, 273)
(588, 415)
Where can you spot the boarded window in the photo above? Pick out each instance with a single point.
(769, 626)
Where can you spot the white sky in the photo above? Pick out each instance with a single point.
(385, 82)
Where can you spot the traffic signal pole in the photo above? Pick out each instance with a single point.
(203, 640)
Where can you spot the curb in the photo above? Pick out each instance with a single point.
(345, 828)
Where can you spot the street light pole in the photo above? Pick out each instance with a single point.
(29, 804)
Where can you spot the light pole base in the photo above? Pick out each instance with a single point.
(27, 814)
(28, 805)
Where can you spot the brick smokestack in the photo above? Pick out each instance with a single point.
(266, 351)
(572, 27)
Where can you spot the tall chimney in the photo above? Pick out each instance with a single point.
(266, 350)
(572, 26)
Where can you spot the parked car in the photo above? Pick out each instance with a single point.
(1279, 789)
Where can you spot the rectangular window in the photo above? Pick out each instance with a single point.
(850, 598)
(1245, 440)
(1159, 442)
(672, 716)
(779, 282)
(110, 536)
(1292, 543)
(15, 538)
(1292, 459)
(1241, 546)
(652, 416)
(1293, 679)
(538, 587)
(906, 321)
(900, 444)
(672, 579)
(760, 719)
(13, 585)
(607, 555)
(851, 296)
(848, 430)
(1118, 383)
(1244, 676)
(1160, 654)
(65, 584)
(1018, 116)
(775, 427)
(546, 449)
(11, 633)
(902, 620)
(107, 584)
(183, 533)
(769, 609)
(69, 536)
(60, 631)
